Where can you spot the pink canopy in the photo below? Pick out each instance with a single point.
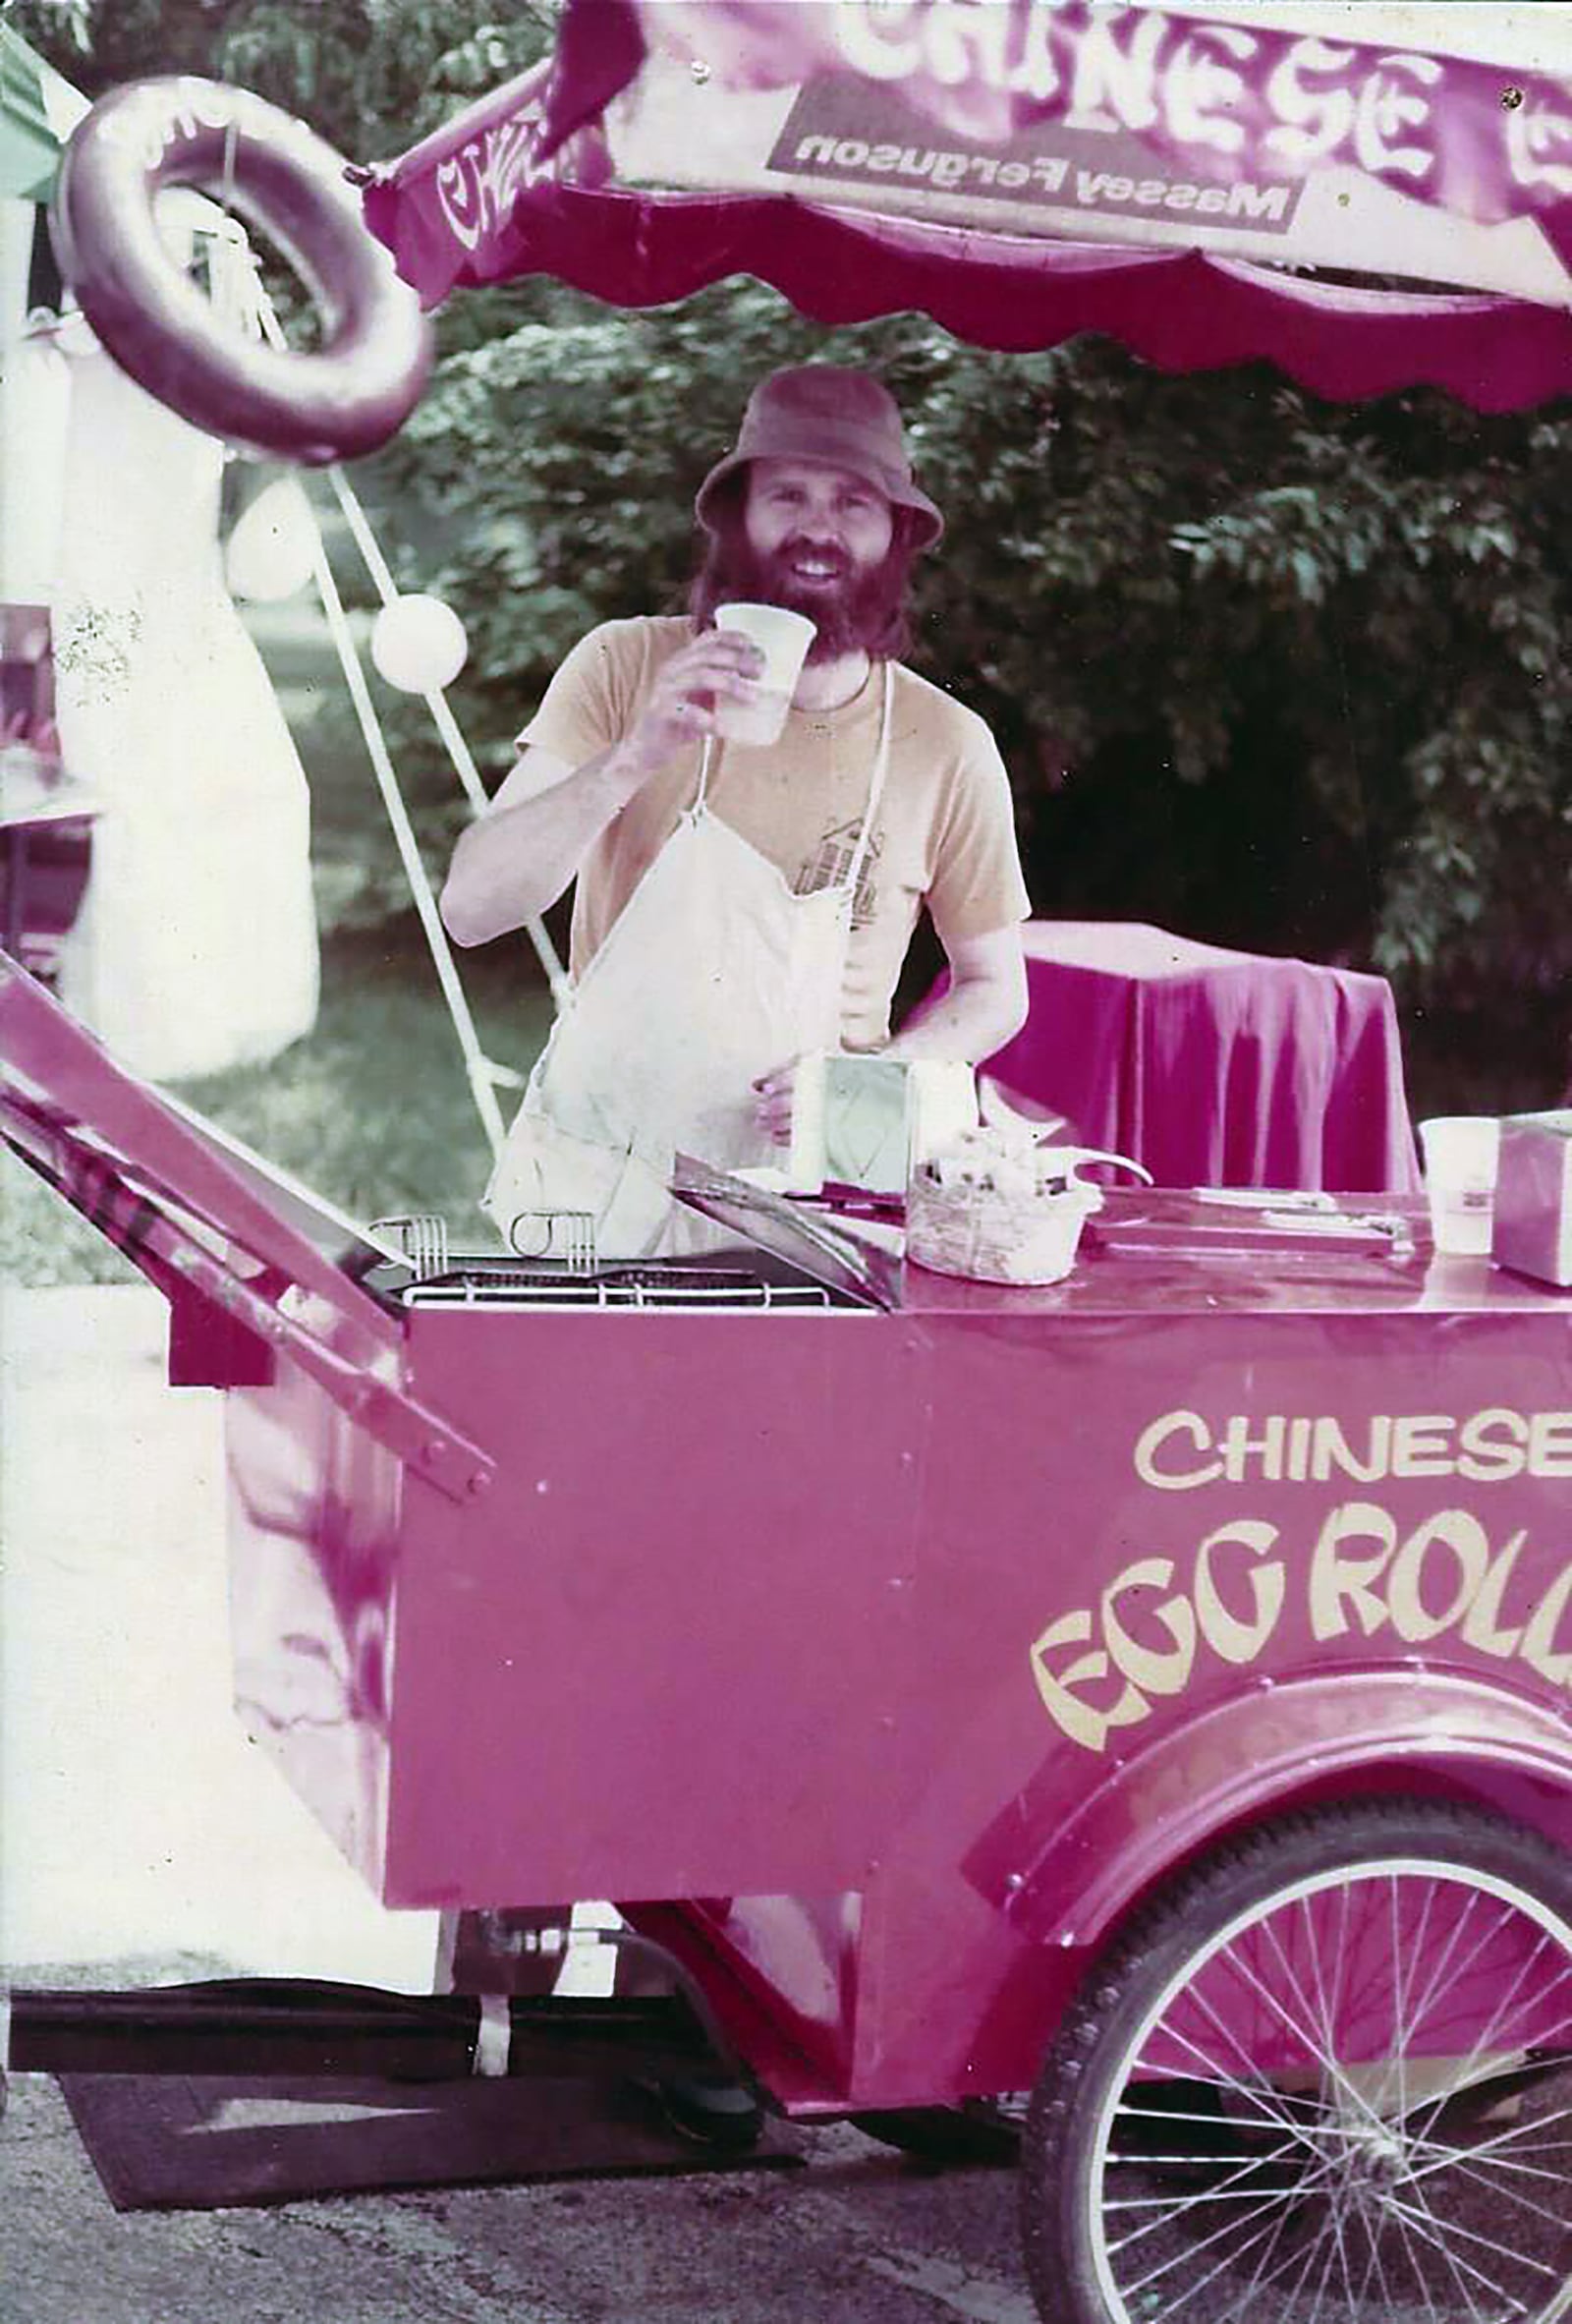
(1200, 190)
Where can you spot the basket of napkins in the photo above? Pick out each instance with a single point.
(997, 1205)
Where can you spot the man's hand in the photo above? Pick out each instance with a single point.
(719, 665)
(517, 857)
(774, 1093)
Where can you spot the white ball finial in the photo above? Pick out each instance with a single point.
(418, 645)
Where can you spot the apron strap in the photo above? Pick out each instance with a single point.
(875, 788)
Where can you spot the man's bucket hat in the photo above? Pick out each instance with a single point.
(844, 419)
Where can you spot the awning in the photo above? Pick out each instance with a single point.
(39, 109)
(1200, 190)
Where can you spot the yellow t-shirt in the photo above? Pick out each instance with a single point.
(944, 834)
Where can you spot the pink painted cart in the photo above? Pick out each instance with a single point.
(1156, 1690)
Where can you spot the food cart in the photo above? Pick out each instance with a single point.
(1150, 1690)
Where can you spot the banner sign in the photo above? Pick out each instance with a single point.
(1039, 128)
(1220, 101)
(851, 137)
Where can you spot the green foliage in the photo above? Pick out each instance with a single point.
(1273, 672)
(371, 75)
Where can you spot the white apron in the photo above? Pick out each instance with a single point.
(714, 972)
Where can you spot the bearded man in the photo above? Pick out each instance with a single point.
(740, 906)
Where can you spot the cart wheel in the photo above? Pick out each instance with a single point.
(977, 2131)
(1326, 2074)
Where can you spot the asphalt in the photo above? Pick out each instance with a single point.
(857, 2234)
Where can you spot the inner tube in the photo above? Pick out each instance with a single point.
(341, 399)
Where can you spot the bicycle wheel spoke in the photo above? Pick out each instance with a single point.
(1489, 2041)
(1456, 2232)
(1442, 2158)
(1323, 2059)
(1192, 2251)
(1443, 1967)
(1234, 2190)
(1265, 2239)
(1338, 2250)
(1502, 2139)
(1253, 2085)
(1332, 2094)
(1431, 2234)
(1511, 2194)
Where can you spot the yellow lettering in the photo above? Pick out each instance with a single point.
(1421, 1444)
(1080, 1721)
(1331, 1449)
(1539, 1636)
(1550, 1444)
(1464, 1537)
(1480, 1630)
(1310, 122)
(870, 39)
(1200, 90)
(1238, 1445)
(1151, 1440)
(1386, 108)
(1235, 1640)
(1159, 1670)
(967, 44)
(1334, 1576)
(1491, 1444)
(1115, 82)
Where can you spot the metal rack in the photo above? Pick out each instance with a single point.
(651, 1287)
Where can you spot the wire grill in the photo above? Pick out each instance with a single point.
(501, 1286)
(420, 1236)
(565, 1235)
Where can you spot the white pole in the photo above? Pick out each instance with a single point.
(447, 725)
(482, 1073)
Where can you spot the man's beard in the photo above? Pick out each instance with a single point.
(852, 616)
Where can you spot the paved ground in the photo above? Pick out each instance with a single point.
(144, 1840)
(857, 2235)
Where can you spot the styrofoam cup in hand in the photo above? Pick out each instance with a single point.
(1461, 1152)
(784, 638)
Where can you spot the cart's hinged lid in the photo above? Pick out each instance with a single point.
(65, 1102)
(830, 1252)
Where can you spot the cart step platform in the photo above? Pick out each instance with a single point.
(208, 2143)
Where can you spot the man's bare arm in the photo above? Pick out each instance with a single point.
(985, 1007)
(518, 858)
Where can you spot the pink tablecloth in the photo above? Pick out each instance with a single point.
(1215, 1068)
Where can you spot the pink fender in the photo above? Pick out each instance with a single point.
(1332, 1733)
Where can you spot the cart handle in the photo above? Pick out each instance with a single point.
(175, 1258)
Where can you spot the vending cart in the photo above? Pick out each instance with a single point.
(1146, 1695)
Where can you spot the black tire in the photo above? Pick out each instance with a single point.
(1356, 2177)
(975, 2131)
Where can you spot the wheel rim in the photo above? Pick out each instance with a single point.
(1354, 2102)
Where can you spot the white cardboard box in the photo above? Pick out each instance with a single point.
(866, 1121)
(1533, 1228)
